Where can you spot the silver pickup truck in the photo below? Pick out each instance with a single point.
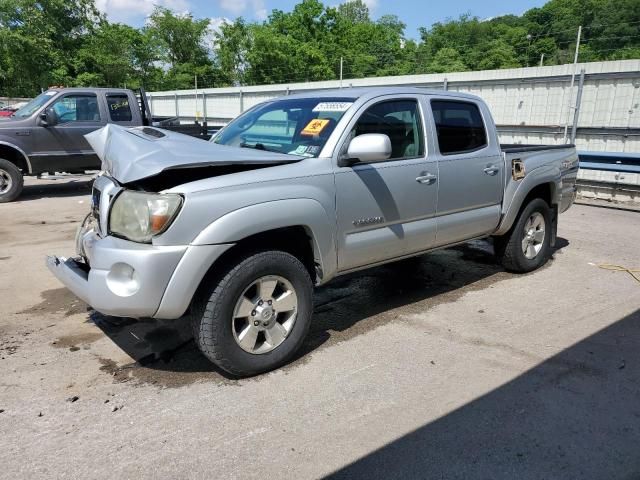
(234, 234)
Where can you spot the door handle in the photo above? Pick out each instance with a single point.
(491, 170)
(428, 179)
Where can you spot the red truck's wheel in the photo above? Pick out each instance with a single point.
(11, 181)
(526, 246)
(257, 315)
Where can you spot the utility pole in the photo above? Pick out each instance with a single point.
(542, 60)
(573, 81)
(196, 85)
(341, 65)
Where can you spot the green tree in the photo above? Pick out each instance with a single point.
(447, 59)
(181, 37)
(38, 40)
(44, 42)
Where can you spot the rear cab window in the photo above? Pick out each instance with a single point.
(459, 126)
(118, 107)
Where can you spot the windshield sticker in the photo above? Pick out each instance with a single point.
(313, 150)
(315, 127)
(302, 150)
(332, 107)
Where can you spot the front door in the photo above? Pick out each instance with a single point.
(471, 171)
(387, 209)
(62, 147)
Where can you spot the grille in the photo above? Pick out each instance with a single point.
(103, 192)
(96, 196)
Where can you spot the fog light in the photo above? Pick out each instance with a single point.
(123, 280)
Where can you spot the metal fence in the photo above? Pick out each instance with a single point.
(610, 162)
(601, 112)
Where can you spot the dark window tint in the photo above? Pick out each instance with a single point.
(400, 121)
(459, 125)
(119, 109)
(77, 108)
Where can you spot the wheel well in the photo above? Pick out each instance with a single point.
(543, 191)
(295, 240)
(15, 157)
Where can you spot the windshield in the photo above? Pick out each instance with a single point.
(34, 105)
(298, 126)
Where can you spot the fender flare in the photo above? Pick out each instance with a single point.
(21, 152)
(254, 219)
(540, 176)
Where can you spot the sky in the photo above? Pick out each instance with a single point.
(415, 13)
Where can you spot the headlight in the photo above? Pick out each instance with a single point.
(139, 216)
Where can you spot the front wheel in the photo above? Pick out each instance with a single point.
(11, 181)
(256, 316)
(526, 246)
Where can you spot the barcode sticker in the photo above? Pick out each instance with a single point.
(332, 107)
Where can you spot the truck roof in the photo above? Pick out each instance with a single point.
(89, 89)
(372, 92)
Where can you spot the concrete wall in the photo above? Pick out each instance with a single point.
(531, 105)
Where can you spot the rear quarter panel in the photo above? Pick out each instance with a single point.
(557, 167)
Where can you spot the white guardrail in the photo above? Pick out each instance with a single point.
(600, 113)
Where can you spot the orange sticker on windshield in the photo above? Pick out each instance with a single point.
(315, 127)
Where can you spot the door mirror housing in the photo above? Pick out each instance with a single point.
(49, 118)
(368, 148)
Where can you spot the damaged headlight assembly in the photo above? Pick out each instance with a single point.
(140, 216)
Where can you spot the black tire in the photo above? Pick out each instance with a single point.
(509, 249)
(14, 175)
(213, 308)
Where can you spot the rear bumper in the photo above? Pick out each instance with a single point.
(129, 279)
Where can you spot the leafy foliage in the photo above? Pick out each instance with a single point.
(69, 42)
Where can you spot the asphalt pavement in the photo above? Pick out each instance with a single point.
(445, 366)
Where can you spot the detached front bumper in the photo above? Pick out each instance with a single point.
(128, 279)
(119, 277)
(72, 274)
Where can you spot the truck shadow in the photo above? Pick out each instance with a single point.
(60, 188)
(575, 415)
(347, 307)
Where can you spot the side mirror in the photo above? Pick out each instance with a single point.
(369, 148)
(49, 118)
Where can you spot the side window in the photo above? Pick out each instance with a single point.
(77, 108)
(400, 121)
(119, 109)
(459, 126)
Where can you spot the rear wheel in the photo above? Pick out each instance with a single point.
(257, 315)
(526, 246)
(11, 181)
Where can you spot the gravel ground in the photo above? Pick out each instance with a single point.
(440, 367)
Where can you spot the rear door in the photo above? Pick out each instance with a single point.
(471, 170)
(62, 147)
(385, 209)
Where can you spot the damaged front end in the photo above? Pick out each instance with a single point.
(120, 269)
(159, 158)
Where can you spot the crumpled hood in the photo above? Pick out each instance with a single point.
(132, 154)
